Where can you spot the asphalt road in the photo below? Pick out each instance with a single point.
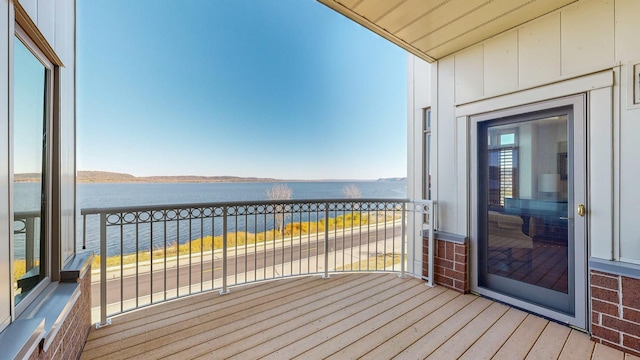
(277, 257)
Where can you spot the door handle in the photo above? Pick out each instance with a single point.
(581, 210)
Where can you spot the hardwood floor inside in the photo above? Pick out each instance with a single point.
(368, 316)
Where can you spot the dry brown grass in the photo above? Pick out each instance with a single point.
(379, 262)
(209, 243)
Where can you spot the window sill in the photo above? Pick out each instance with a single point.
(446, 236)
(44, 317)
(77, 267)
(615, 267)
(20, 339)
(53, 306)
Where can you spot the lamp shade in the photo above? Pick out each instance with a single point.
(548, 182)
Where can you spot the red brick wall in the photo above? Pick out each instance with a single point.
(451, 264)
(71, 337)
(615, 311)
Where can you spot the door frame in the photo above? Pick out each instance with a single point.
(579, 270)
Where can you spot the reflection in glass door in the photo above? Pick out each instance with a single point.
(526, 233)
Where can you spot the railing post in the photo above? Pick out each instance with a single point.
(432, 242)
(84, 232)
(103, 272)
(29, 229)
(403, 254)
(224, 289)
(326, 241)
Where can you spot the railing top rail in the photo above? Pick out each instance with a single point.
(119, 209)
(26, 214)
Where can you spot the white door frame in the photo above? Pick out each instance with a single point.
(579, 271)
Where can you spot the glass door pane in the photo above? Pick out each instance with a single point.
(525, 235)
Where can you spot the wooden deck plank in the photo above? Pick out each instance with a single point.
(181, 320)
(376, 316)
(342, 333)
(430, 341)
(240, 329)
(493, 339)
(353, 344)
(323, 329)
(522, 340)
(578, 346)
(347, 331)
(158, 320)
(316, 314)
(549, 344)
(173, 307)
(602, 352)
(389, 348)
(457, 344)
(182, 328)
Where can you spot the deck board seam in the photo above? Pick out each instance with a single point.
(473, 317)
(487, 330)
(296, 291)
(343, 297)
(214, 301)
(415, 322)
(305, 301)
(468, 323)
(350, 315)
(537, 338)
(129, 327)
(381, 313)
(443, 291)
(438, 325)
(209, 299)
(336, 321)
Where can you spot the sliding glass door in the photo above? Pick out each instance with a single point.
(530, 198)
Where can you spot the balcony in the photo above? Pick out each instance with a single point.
(374, 316)
(308, 279)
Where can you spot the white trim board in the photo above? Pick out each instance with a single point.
(555, 90)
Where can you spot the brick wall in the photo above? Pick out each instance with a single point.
(615, 311)
(451, 264)
(71, 337)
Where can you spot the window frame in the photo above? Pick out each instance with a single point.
(47, 240)
(496, 144)
(427, 144)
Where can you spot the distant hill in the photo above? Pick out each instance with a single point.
(104, 176)
(393, 179)
(112, 177)
(28, 177)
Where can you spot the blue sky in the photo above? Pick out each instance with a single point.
(270, 88)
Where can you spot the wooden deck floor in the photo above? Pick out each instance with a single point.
(369, 316)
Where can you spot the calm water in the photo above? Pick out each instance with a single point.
(112, 195)
(109, 195)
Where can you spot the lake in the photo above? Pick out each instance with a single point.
(133, 194)
(140, 194)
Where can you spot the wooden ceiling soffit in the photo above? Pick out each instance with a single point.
(352, 15)
(433, 29)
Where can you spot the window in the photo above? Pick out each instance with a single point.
(503, 165)
(31, 124)
(426, 151)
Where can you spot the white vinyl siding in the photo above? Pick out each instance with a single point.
(589, 39)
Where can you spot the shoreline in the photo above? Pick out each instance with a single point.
(104, 177)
